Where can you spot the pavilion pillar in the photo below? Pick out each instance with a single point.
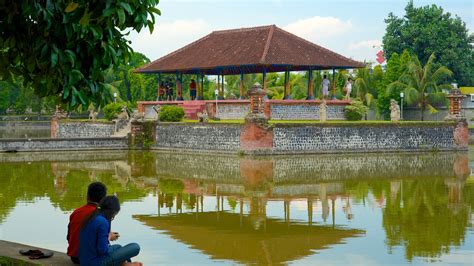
(333, 209)
(198, 89)
(222, 87)
(333, 84)
(241, 86)
(310, 85)
(310, 211)
(287, 86)
(158, 79)
(264, 79)
(179, 87)
(219, 87)
(201, 94)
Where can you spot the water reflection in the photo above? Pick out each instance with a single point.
(219, 204)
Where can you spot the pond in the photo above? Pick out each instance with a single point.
(211, 208)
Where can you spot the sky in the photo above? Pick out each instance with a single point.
(349, 27)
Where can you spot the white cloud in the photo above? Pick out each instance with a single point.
(319, 28)
(168, 36)
(365, 50)
(369, 44)
(330, 32)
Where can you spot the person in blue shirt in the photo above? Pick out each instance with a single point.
(94, 245)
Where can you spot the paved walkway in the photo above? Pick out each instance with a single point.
(11, 249)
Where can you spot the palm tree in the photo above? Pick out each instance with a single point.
(421, 84)
(364, 87)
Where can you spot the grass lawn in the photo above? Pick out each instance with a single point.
(5, 261)
(331, 122)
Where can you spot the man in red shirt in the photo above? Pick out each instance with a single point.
(95, 193)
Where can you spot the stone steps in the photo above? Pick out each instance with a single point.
(192, 108)
(123, 132)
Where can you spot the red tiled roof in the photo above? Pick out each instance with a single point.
(249, 50)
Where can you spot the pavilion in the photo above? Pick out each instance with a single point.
(243, 239)
(247, 50)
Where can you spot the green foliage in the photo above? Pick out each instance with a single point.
(7, 261)
(355, 111)
(427, 30)
(111, 110)
(4, 98)
(366, 83)
(62, 48)
(421, 84)
(22, 99)
(171, 113)
(275, 84)
(136, 87)
(171, 186)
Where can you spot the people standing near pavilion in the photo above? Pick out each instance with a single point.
(192, 89)
(95, 193)
(348, 89)
(169, 91)
(161, 91)
(325, 86)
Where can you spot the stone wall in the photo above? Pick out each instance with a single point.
(311, 138)
(329, 168)
(278, 109)
(64, 156)
(304, 111)
(69, 129)
(190, 136)
(230, 111)
(198, 166)
(383, 137)
(63, 144)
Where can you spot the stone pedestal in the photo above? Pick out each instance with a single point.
(257, 134)
(455, 103)
(461, 133)
(54, 127)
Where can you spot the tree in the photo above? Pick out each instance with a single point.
(427, 30)
(364, 86)
(420, 84)
(62, 48)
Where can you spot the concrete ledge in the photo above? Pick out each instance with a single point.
(11, 250)
(66, 144)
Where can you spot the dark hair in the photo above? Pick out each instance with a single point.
(349, 79)
(325, 76)
(96, 192)
(109, 206)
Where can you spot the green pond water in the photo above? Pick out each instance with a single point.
(369, 209)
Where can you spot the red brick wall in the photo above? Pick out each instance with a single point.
(254, 136)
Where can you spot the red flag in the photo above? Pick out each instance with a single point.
(380, 57)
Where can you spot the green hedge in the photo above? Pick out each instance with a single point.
(355, 111)
(111, 110)
(171, 113)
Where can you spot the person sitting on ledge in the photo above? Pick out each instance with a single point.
(95, 193)
(94, 246)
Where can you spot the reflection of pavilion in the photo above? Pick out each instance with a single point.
(234, 237)
(254, 195)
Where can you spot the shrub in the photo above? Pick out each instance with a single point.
(171, 113)
(355, 111)
(171, 186)
(111, 110)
